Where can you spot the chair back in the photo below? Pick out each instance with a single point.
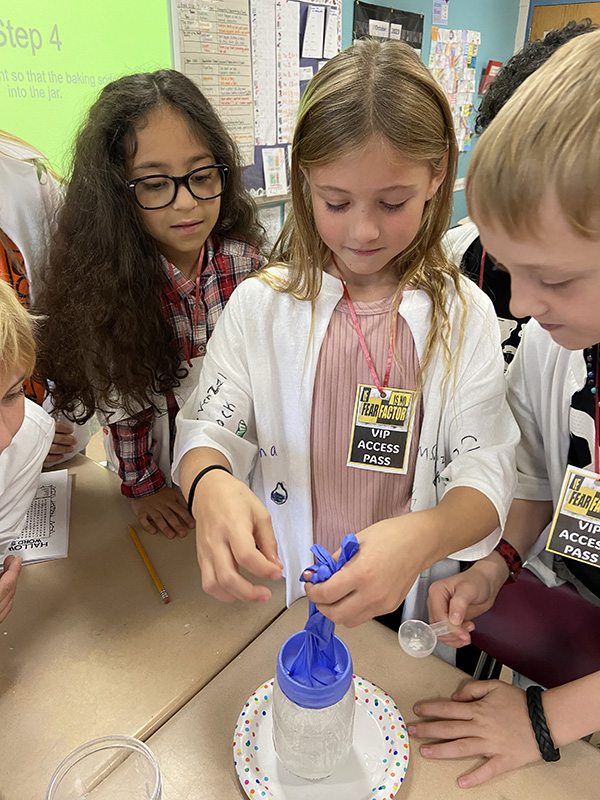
(549, 634)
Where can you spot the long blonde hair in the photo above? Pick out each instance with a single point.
(17, 344)
(373, 89)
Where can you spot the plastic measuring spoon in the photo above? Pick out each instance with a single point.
(418, 638)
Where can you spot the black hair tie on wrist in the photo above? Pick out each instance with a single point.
(540, 726)
(201, 474)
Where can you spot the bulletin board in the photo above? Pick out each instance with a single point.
(253, 59)
(453, 63)
(383, 22)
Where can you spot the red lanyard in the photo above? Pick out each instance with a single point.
(196, 308)
(482, 267)
(365, 349)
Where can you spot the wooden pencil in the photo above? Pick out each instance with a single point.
(157, 581)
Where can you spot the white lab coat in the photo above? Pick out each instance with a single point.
(20, 466)
(542, 379)
(258, 375)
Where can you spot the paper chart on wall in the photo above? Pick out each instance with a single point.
(288, 67)
(45, 535)
(264, 60)
(313, 32)
(214, 45)
(331, 46)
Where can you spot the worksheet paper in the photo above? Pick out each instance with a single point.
(331, 47)
(264, 59)
(306, 73)
(46, 532)
(395, 31)
(288, 67)
(313, 32)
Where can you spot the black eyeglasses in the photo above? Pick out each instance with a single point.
(159, 191)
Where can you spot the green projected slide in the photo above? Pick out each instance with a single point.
(56, 55)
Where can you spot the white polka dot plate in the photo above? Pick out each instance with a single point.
(374, 769)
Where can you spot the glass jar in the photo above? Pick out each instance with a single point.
(112, 767)
(313, 726)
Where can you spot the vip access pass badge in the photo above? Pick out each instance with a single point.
(381, 429)
(575, 531)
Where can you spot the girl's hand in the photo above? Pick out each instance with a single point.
(8, 584)
(233, 529)
(165, 510)
(466, 595)
(62, 444)
(484, 718)
(377, 579)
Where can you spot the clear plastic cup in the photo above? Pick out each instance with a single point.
(115, 767)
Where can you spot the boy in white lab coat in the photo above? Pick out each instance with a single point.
(26, 433)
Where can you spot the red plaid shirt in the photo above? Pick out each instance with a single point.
(228, 261)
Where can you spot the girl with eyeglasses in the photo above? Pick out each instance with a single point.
(155, 233)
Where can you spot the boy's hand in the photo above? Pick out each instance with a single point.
(484, 718)
(233, 529)
(165, 510)
(465, 596)
(62, 444)
(8, 584)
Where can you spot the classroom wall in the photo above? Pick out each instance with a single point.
(93, 44)
(495, 19)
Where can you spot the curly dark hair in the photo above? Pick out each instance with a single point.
(105, 341)
(521, 66)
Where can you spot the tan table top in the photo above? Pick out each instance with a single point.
(194, 749)
(91, 650)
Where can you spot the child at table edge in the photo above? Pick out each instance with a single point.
(26, 433)
(532, 189)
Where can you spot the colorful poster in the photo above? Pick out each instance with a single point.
(440, 12)
(274, 171)
(452, 61)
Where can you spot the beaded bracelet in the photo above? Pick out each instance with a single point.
(511, 557)
(201, 474)
(540, 726)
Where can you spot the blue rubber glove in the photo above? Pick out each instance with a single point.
(317, 663)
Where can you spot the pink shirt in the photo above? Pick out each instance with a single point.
(347, 499)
